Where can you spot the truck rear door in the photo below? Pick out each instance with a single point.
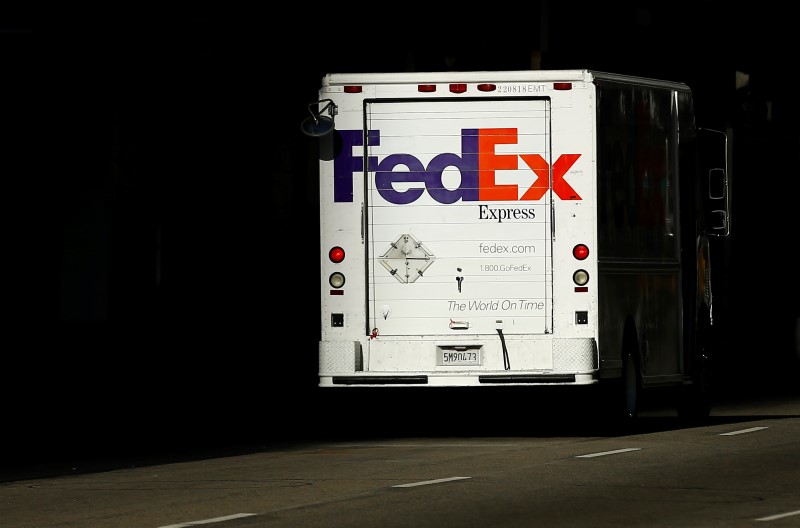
(458, 218)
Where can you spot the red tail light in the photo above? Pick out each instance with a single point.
(336, 254)
(580, 252)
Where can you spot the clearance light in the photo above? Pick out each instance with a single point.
(580, 252)
(562, 86)
(426, 88)
(580, 277)
(458, 88)
(336, 254)
(336, 280)
(352, 89)
(487, 87)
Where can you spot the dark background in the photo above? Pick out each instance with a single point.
(161, 205)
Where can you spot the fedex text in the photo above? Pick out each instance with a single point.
(478, 164)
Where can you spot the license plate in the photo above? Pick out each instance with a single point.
(470, 356)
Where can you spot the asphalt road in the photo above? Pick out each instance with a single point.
(739, 468)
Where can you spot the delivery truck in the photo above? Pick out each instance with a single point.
(518, 229)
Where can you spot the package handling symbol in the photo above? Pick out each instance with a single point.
(407, 259)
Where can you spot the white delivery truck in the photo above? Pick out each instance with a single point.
(517, 228)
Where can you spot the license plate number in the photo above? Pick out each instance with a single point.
(459, 357)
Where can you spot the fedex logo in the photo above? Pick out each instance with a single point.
(477, 164)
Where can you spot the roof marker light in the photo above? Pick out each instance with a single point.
(486, 87)
(352, 89)
(562, 86)
(458, 88)
(426, 88)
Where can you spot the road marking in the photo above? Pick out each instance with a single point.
(779, 516)
(432, 444)
(604, 453)
(209, 521)
(426, 482)
(752, 429)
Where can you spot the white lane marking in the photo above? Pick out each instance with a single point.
(426, 446)
(604, 453)
(752, 429)
(779, 516)
(209, 521)
(426, 482)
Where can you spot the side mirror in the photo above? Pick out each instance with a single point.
(714, 165)
(318, 125)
